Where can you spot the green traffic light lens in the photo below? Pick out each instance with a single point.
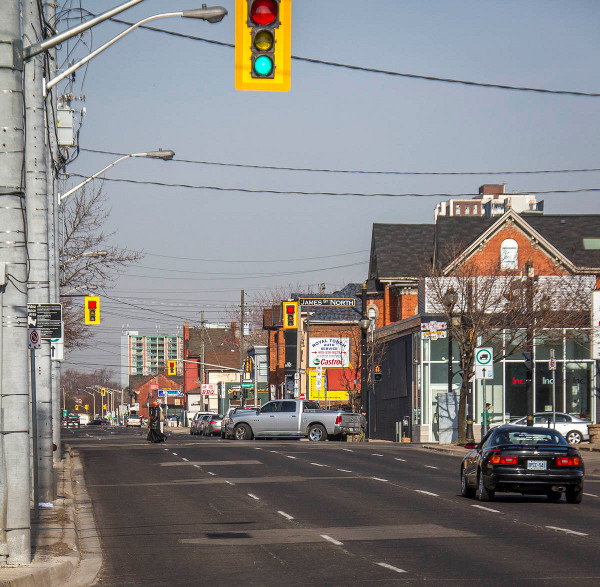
(263, 40)
(263, 65)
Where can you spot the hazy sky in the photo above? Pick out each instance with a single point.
(153, 90)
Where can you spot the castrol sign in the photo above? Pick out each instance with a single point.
(329, 352)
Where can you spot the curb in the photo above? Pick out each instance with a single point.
(455, 452)
(90, 550)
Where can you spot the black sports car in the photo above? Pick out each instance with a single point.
(524, 460)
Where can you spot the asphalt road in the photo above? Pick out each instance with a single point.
(199, 511)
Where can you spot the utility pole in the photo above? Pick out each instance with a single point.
(242, 394)
(53, 224)
(15, 493)
(202, 334)
(37, 238)
(529, 366)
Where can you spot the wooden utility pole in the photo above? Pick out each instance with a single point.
(243, 396)
(202, 358)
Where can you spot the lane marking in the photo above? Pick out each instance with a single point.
(431, 467)
(401, 460)
(175, 454)
(566, 530)
(273, 451)
(257, 448)
(254, 497)
(332, 540)
(348, 450)
(376, 455)
(344, 470)
(391, 568)
(213, 474)
(379, 479)
(590, 495)
(184, 459)
(285, 515)
(165, 449)
(318, 465)
(290, 457)
(426, 492)
(229, 482)
(482, 507)
(197, 466)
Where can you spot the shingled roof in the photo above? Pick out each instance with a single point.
(221, 347)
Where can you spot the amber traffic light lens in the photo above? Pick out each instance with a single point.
(264, 12)
(263, 40)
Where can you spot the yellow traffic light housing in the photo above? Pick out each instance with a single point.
(172, 367)
(102, 391)
(92, 310)
(290, 315)
(263, 45)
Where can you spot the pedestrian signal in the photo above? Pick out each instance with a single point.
(172, 367)
(263, 39)
(92, 310)
(290, 315)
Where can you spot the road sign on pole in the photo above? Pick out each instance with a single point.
(34, 338)
(484, 363)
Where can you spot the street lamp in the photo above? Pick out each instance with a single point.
(160, 154)
(93, 254)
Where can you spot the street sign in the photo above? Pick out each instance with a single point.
(57, 349)
(47, 318)
(434, 330)
(484, 363)
(552, 361)
(247, 385)
(34, 338)
(328, 302)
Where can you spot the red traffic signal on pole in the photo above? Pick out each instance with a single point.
(290, 315)
(92, 309)
(172, 367)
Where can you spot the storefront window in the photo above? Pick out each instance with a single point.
(543, 387)
(545, 342)
(439, 349)
(516, 391)
(439, 373)
(578, 392)
(515, 340)
(578, 345)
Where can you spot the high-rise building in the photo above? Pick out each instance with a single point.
(148, 354)
(492, 200)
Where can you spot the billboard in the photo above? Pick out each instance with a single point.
(329, 352)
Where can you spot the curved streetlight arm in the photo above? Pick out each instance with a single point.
(212, 14)
(37, 48)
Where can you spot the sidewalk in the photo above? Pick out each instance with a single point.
(65, 548)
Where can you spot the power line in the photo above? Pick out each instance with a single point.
(352, 194)
(380, 71)
(255, 260)
(360, 171)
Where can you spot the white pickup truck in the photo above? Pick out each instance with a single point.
(293, 418)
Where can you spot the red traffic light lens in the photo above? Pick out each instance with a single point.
(92, 305)
(264, 12)
(289, 309)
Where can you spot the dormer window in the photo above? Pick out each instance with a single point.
(509, 255)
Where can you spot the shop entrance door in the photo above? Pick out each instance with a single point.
(447, 417)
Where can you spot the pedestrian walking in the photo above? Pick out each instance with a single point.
(154, 433)
(486, 419)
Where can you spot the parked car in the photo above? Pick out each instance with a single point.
(203, 422)
(227, 419)
(212, 426)
(574, 429)
(195, 421)
(72, 421)
(133, 420)
(291, 418)
(100, 422)
(526, 460)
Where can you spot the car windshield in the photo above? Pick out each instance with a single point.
(534, 437)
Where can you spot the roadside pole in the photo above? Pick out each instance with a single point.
(38, 291)
(14, 389)
(34, 435)
(242, 393)
(484, 423)
(552, 365)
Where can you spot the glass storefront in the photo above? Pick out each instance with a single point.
(571, 384)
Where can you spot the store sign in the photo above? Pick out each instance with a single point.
(596, 325)
(328, 302)
(434, 330)
(329, 352)
(209, 389)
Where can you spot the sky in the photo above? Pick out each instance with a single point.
(202, 246)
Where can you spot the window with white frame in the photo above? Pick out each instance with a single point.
(509, 255)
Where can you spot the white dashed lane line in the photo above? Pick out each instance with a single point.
(290, 457)
(213, 474)
(567, 531)
(379, 479)
(319, 465)
(254, 497)
(401, 460)
(430, 467)
(347, 450)
(376, 455)
(197, 466)
(590, 495)
(184, 459)
(332, 540)
(344, 470)
(391, 568)
(285, 515)
(175, 454)
(229, 482)
(426, 492)
(482, 507)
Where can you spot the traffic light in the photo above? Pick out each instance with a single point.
(92, 310)
(172, 367)
(234, 394)
(76, 407)
(263, 39)
(290, 315)
(527, 360)
(86, 407)
(102, 391)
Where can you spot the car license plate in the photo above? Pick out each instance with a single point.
(536, 465)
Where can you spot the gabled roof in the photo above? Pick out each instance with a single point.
(453, 234)
(352, 290)
(221, 347)
(400, 250)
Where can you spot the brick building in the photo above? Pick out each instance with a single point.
(148, 388)
(415, 370)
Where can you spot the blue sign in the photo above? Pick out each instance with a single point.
(170, 393)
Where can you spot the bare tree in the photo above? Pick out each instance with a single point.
(485, 306)
(87, 259)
